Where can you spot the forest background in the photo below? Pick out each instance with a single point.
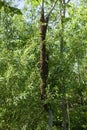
(43, 65)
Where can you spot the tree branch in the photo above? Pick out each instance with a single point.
(42, 7)
(52, 9)
(64, 8)
(11, 9)
(42, 12)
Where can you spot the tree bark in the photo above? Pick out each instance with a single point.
(44, 59)
(63, 91)
(43, 53)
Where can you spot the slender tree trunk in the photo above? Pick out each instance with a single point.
(68, 115)
(44, 62)
(44, 58)
(50, 119)
(63, 91)
(43, 53)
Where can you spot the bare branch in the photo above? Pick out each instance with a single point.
(42, 12)
(64, 8)
(43, 7)
(52, 9)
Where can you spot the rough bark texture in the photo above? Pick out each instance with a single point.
(43, 54)
(44, 59)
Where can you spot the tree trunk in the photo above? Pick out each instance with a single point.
(44, 58)
(63, 91)
(68, 115)
(43, 55)
(50, 119)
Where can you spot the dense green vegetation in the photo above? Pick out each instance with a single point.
(21, 106)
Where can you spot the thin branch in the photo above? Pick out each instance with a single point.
(42, 12)
(64, 8)
(43, 6)
(52, 9)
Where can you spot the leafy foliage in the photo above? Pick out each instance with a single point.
(20, 104)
